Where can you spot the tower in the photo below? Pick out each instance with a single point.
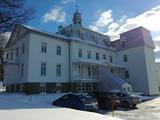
(77, 18)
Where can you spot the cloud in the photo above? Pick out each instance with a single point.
(149, 19)
(104, 19)
(56, 14)
(157, 38)
(67, 1)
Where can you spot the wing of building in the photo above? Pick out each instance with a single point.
(80, 60)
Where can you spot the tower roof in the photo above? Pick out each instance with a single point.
(77, 18)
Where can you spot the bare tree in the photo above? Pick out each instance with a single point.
(2, 46)
(11, 12)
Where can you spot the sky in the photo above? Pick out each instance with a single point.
(110, 17)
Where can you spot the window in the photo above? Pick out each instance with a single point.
(43, 68)
(93, 70)
(125, 58)
(123, 44)
(106, 42)
(44, 47)
(97, 56)
(58, 70)
(104, 57)
(81, 35)
(23, 48)
(58, 50)
(16, 52)
(110, 59)
(111, 70)
(128, 89)
(80, 53)
(80, 70)
(11, 55)
(89, 71)
(126, 74)
(7, 56)
(22, 69)
(94, 39)
(89, 54)
(67, 33)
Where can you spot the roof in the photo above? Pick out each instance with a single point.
(31, 29)
(61, 37)
(43, 32)
(140, 27)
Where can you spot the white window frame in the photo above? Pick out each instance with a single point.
(43, 68)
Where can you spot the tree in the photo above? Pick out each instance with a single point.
(2, 44)
(11, 12)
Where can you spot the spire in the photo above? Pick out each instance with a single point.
(77, 19)
(76, 6)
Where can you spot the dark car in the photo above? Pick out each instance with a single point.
(127, 99)
(105, 100)
(80, 102)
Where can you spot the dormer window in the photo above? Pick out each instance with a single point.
(81, 35)
(67, 33)
(106, 42)
(123, 44)
(94, 39)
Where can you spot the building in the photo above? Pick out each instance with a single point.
(79, 60)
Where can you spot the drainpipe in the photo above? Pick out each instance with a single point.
(69, 63)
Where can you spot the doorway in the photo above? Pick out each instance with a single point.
(42, 88)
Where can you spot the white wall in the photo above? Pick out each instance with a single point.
(11, 74)
(51, 58)
(158, 71)
(136, 66)
(151, 71)
(13, 71)
(76, 45)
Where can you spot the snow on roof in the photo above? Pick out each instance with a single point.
(44, 32)
(64, 37)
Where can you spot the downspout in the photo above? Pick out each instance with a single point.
(69, 45)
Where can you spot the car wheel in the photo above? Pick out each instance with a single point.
(134, 106)
(125, 104)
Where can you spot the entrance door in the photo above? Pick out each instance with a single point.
(43, 88)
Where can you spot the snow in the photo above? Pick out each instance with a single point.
(39, 107)
(146, 98)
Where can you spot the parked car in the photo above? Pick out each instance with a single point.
(105, 100)
(126, 99)
(80, 102)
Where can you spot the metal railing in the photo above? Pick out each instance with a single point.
(85, 77)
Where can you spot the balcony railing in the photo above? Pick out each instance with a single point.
(86, 77)
(12, 61)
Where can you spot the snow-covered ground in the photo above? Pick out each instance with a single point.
(38, 107)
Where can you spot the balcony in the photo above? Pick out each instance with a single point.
(93, 78)
(96, 62)
(91, 61)
(12, 61)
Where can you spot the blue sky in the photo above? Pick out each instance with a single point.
(110, 17)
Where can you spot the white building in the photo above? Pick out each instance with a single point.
(80, 60)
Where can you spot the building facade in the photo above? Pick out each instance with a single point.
(76, 59)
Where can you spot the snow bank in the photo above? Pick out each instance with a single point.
(38, 107)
